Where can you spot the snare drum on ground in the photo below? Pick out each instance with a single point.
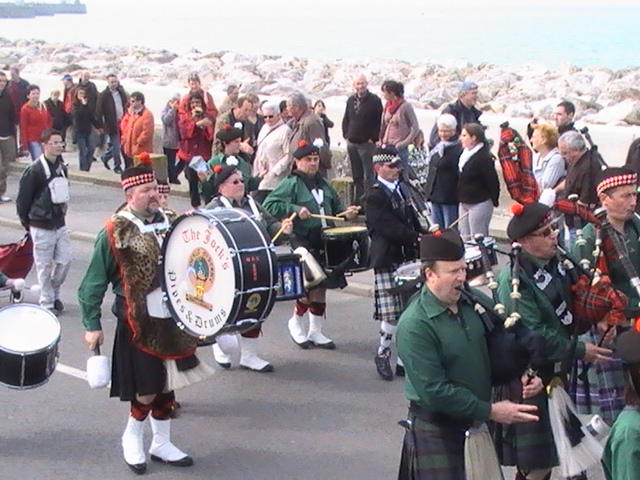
(29, 337)
(347, 248)
(218, 272)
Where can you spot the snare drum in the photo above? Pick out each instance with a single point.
(290, 280)
(218, 272)
(473, 259)
(29, 337)
(408, 279)
(346, 248)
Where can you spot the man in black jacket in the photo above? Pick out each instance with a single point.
(8, 121)
(395, 234)
(463, 109)
(112, 105)
(361, 129)
(42, 206)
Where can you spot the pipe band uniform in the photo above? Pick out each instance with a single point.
(395, 231)
(308, 194)
(449, 394)
(150, 354)
(611, 247)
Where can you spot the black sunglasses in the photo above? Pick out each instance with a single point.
(268, 116)
(236, 182)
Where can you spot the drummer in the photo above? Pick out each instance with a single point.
(395, 236)
(231, 194)
(126, 257)
(306, 193)
(230, 142)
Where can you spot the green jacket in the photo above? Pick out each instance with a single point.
(268, 221)
(538, 314)
(446, 360)
(101, 272)
(292, 194)
(619, 278)
(208, 191)
(621, 457)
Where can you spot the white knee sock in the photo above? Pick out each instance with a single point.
(387, 331)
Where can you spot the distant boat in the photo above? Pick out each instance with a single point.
(22, 9)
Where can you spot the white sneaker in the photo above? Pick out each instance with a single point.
(5, 199)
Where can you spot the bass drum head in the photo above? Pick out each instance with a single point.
(205, 270)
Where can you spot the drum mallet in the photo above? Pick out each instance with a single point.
(459, 218)
(342, 214)
(327, 217)
(279, 232)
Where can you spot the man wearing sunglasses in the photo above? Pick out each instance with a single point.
(231, 194)
(395, 236)
(546, 308)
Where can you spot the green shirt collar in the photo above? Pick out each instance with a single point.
(433, 307)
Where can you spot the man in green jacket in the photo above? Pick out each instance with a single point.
(545, 306)
(307, 194)
(441, 341)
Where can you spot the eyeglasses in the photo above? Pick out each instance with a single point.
(237, 181)
(393, 165)
(268, 116)
(57, 144)
(547, 232)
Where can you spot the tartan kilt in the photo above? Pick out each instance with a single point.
(602, 392)
(386, 307)
(527, 446)
(431, 452)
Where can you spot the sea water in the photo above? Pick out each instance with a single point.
(554, 33)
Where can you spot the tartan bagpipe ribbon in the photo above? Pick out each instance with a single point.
(593, 303)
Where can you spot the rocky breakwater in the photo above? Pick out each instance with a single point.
(601, 96)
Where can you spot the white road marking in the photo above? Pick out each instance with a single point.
(74, 372)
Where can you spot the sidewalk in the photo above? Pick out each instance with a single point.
(360, 283)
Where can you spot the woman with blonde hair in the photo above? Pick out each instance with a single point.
(548, 166)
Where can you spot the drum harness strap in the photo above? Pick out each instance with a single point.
(318, 194)
(158, 229)
(252, 204)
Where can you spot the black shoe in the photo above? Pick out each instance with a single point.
(138, 468)
(183, 462)
(58, 305)
(94, 159)
(117, 170)
(105, 162)
(175, 181)
(226, 366)
(399, 371)
(383, 365)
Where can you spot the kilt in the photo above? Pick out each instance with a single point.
(527, 446)
(432, 452)
(133, 372)
(603, 391)
(386, 307)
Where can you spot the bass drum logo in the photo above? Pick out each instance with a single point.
(201, 274)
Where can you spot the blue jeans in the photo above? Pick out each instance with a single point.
(85, 150)
(443, 214)
(35, 149)
(114, 150)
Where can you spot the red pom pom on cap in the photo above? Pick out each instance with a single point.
(227, 127)
(437, 233)
(636, 324)
(144, 158)
(217, 169)
(517, 209)
(302, 143)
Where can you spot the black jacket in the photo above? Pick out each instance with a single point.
(83, 118)
(8, 118)
(106, 116)
(34, 198)
(478, 180)
(92, 93)
(61, 120)
(393, 231)
(364, 125)
(463, 115)
(442, 179)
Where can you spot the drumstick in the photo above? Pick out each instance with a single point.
(327, 217)
(279, 232)
(342, 214)
(459, 218)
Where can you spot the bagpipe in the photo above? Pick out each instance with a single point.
(593, 148)
(514, 349)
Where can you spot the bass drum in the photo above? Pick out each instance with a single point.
(218, 273)
(29, 337)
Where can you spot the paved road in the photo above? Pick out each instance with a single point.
(320, 415)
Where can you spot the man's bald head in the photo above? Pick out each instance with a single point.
(360, 85)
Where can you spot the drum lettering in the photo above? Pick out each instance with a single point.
(172, 275)
(207, 236)
(254, 272)
(190, 235)
(198, 321)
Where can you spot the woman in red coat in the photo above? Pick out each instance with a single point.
(34, 119)
(196, 139)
